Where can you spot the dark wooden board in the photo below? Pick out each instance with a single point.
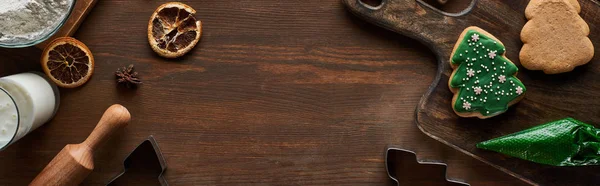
(277, 92)
(549, 97)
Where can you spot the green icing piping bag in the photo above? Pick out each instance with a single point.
(566, 142)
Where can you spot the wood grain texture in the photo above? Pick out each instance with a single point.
(276, 93)
(78, 14)
(549, 97)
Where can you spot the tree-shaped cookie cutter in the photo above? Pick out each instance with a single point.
(145, 164)
(396, 158)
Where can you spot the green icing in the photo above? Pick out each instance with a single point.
(485, 85)
(566, 142)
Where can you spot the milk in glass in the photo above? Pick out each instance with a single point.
(27, 101)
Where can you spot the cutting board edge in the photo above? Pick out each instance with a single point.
(419, 110)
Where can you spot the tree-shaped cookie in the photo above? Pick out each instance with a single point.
(555, 37)
(484, 81)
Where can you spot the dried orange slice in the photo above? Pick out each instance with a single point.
(173, 31)
(68, 62)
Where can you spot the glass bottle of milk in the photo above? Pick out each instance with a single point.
(27, 101)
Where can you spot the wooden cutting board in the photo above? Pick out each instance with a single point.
(548, 98)
(81, 9)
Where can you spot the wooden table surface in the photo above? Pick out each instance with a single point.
(275, 93)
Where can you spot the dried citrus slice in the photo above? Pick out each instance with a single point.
(173, 30)
(68, 62)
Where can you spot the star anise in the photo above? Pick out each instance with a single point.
(127, 76)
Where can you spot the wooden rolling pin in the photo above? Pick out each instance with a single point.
(75, 161)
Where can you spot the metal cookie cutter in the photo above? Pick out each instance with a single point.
(144, 166)
(400, 159)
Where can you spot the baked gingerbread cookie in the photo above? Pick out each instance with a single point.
(555, 38)
(483, 80)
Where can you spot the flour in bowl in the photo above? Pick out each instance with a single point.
(23, 21)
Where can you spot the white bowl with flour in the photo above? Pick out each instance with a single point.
(25, 23)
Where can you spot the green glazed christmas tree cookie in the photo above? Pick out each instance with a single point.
(484, 81)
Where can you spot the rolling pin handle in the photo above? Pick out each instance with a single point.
(114, 118)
